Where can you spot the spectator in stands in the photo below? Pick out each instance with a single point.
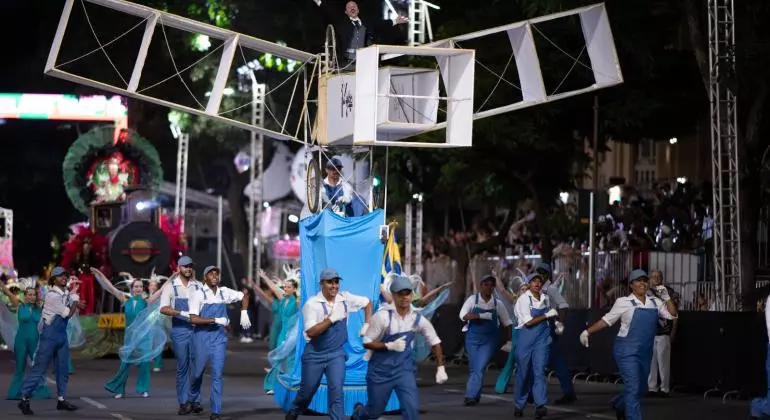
(664, 336)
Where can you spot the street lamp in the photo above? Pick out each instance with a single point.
(673, 140)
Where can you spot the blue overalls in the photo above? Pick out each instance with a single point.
(532, 350)
(210, 343)
(324, 354)
(481, 342)
(761, 406)
(558, 363)
(181, 339)
(52, 346)
(633, 354)
(335, 194)
(390, 371)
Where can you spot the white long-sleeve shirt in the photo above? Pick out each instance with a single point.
(313, 311)
(57, 301)
(167, 295)
(525, 304)
(223, 295)
(502, 314)
(378, 326)
(624, 308)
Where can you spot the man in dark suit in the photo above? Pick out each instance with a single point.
(353, 33)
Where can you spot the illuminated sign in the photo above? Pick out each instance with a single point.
(62, 107)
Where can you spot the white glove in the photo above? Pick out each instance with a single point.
(552, 313)
(507, 347)
(338, 313)
(486, 315)
(184, 314)
(245, 321)
(364, 328)
(584, 338)
(558, 328)
(398, 345)
(663, 293)
(222, 321)
(441, 376)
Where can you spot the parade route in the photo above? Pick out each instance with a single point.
(244, 399)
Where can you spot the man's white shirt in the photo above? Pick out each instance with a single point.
(313, 310)
(624, 308)
(167, 296)
(223, 295)
(378, 326)
(526, 303)
(347, 192)
(502, 314)
(57, 302)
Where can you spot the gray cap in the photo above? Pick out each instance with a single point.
(209, 269)
(184, 261)
(400, 283)
(535, 276)
(334, 163)
(544, 266)
(637, 274)
(488, 277)
(330, 274)
(58, 271)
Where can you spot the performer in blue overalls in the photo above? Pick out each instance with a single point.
(483, 314)
(53, 346)
(208, 312)
(325, 317)
(638, 314)
(556, 361)
(391, 368)
(337, 194)
(533, 345)
(174, 303)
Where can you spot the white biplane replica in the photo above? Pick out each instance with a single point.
(377, 104)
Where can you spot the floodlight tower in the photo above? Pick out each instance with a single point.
(724, 153)
(182, 152)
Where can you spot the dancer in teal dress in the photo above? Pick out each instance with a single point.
(285, 317)
(133, 304)
(504, 378)
(152, 286)
(28, 314)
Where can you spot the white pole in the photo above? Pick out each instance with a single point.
(592, 253)
(185, 141)
(220, 216)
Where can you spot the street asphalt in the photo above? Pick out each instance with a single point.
(244, 399)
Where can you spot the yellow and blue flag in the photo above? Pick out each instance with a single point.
(391, 260)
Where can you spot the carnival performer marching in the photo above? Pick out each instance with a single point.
(638, 314)
(533, 312)
(391, 368)
(28, 312)
(53, 346)
(208, 312)
(483, 314)
(325, 316)
(174, 302)
(133, 303)
(287, 305)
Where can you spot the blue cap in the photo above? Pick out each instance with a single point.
(637, 274)
(534, 276)
(209, 269)
(543, 266)
(57, 271)
(184, 261)
(488, 277)
(334, 163)
(330, 274)
(400, 283)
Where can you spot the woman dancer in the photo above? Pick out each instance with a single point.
(28, 312)
(133, 304)
(287, 305)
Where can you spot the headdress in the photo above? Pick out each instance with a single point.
(155, 278)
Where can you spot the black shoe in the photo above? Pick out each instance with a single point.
(185, 409)
(215, 417)
(24, 407)
(470, 402)
(530, 399)
(662, 394)
(197, 408)
(540, 412)
(566, 399)
(64, 405)
(620, 415)
(290, 416)
(653, 394)
(518, 413)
